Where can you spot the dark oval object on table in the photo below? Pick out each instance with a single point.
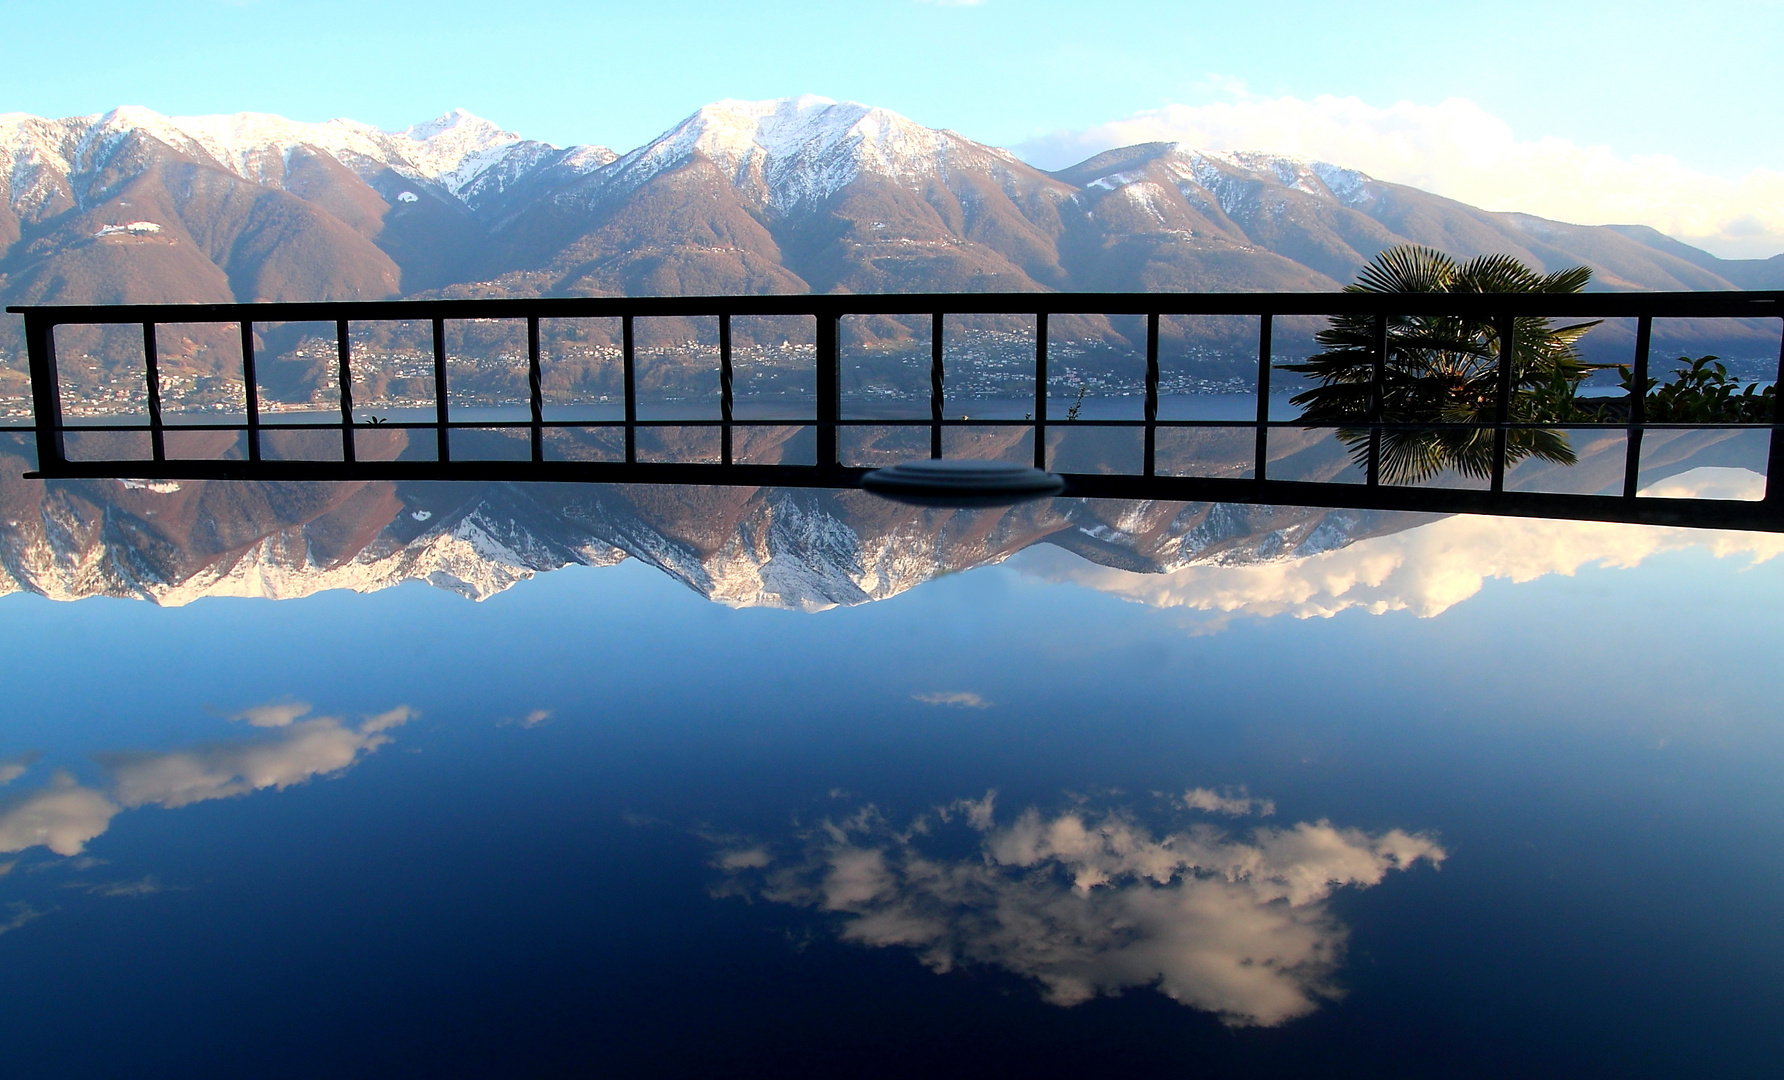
(960, 482)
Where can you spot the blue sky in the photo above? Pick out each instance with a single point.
(1695, 85)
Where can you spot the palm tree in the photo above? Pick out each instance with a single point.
(1445, 369)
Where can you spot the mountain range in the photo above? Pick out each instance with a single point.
(741, 197)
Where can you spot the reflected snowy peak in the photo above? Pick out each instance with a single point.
(804, 550)
(807, 550)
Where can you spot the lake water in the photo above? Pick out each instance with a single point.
(799, 784)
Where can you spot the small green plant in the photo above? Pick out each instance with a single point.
(1703, 392)
(375, 421)
(1072, 413)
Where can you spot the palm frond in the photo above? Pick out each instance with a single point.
(1408, 268)
(1444, 369)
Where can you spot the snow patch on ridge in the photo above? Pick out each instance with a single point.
(469, 557)
(134, 228)
(1237, 180)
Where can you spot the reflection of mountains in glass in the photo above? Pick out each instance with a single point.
(173, 542)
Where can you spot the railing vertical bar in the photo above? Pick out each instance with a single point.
(1040, 391)
(1263, 396)
(1151, 452)
(1378, 348)
(725, 388)
(629, 368)
(251, 389)
(1774, 465)
(936, 374)
(344, 353)
(151, 354)
(1508, 341)
(1638, 405)
(829, 379)
(535, 388)
(442, 413)
(46, 391)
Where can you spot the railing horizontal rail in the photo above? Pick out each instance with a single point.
(1584, 305)
(794, 421)
(1694, 513)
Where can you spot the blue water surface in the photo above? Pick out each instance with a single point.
(598, 824)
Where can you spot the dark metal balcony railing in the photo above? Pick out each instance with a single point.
(829, 470)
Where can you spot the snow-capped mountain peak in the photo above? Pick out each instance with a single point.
(255, 146)
(459, 123)
(1317, 178)
(452, 151)
(794, 150)
(455, 149)
(1234, 177)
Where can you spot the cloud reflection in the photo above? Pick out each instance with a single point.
(1232, 804)
(1425, 570)
(959, 699)
(14, 767)
(65, 815)
(17, 915)
(275, 714)
(147, 886)
(302, 749)
(61, 817)
(1089, 903)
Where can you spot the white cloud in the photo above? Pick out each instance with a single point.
(147, 886)
(303, 749)
(14, 767)
(1088, 904)
(979, 813)
(61, 817)
(959, 699)
(384, 721)
(1425, 570)
(279, 714)
(1233, 805)
(1710, 482)
(531, 720)
(749, 858)
(1458, 149)
(19, 915)
(65, 815)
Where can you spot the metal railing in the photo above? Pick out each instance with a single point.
(828, 469)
